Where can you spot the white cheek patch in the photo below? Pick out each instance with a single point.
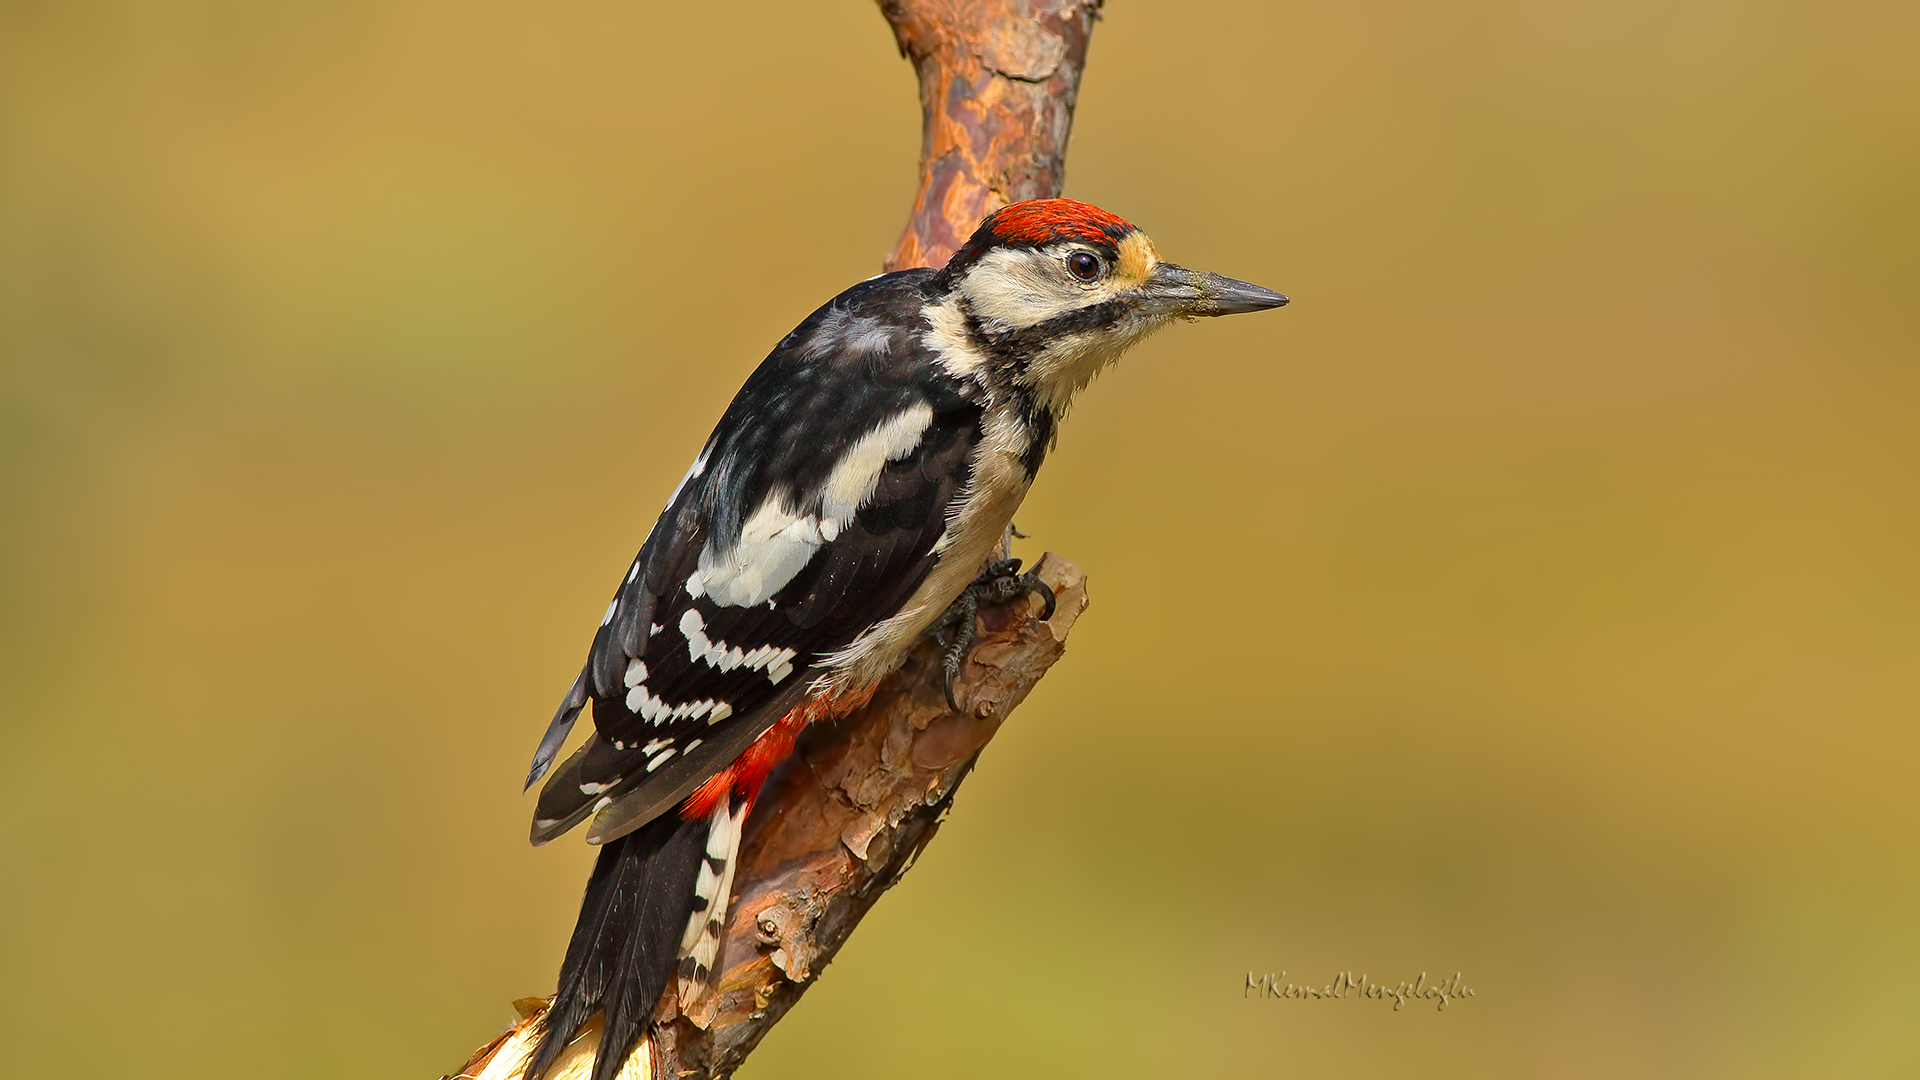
(1010, 288)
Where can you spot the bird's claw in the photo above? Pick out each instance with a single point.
(1000, 582)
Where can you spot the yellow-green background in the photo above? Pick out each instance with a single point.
(1536, 597)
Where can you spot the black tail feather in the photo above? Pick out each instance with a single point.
(624, 946)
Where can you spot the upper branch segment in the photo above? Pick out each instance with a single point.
(998, 84)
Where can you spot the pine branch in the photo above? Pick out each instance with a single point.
(838, 826)
(998, 83)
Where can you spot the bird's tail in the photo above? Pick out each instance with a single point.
(654, 906)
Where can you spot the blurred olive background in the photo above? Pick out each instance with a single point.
(1535, 598)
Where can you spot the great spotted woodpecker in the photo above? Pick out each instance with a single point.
(858, 483)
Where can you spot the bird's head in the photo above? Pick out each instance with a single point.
(1052, 290)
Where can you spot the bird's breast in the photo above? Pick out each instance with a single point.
(977, 520)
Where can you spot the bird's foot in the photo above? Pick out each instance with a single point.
(1000, 582)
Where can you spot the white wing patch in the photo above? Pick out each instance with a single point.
(854, 476)
(776, 542)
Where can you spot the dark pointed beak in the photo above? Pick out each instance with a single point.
(1176, 290)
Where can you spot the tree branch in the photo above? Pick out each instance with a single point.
(844, 820)
(835, 828)
(998, 84)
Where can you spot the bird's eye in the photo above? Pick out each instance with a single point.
(1084, 265)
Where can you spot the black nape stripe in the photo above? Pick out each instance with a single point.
(981, 337)
(1039, 421)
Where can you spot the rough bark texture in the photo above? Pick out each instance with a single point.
(998, 83)
(833, 830)
(843, 821)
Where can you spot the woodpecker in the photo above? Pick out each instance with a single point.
(853, 492)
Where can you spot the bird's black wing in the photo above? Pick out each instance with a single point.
(811, 514)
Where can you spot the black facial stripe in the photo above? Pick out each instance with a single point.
(1023, 344)
(1039, 420)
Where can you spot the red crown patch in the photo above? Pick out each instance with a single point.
(1042, 221)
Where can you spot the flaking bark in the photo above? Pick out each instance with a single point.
(998, 83)
(844, 820)
(834, 829)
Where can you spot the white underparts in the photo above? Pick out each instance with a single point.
(998, 482)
